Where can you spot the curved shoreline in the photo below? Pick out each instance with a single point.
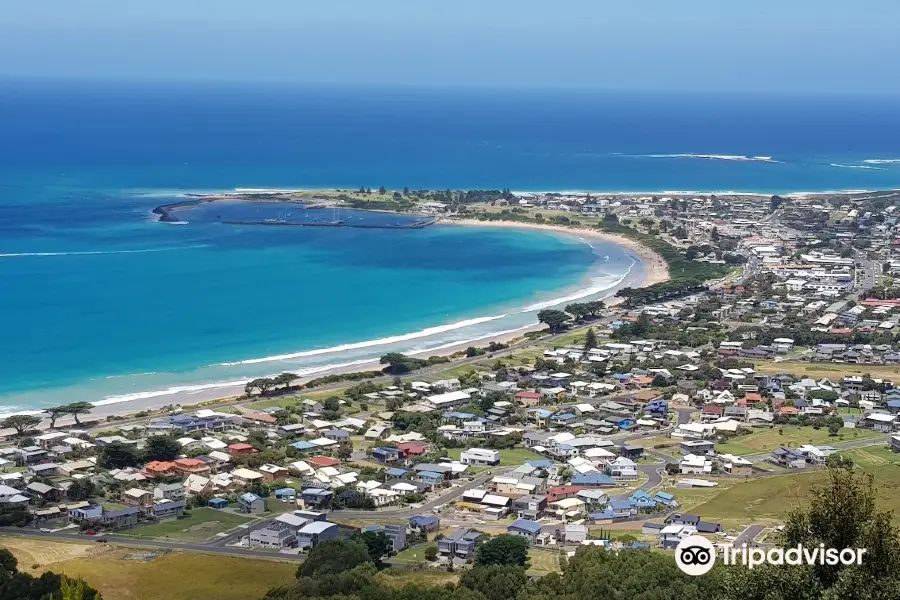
(187, 394)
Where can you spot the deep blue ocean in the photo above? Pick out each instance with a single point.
(99, 302)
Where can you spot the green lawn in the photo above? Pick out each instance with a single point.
(766, 440)
(413, 554)
(543, 561)
(514, 456)
(770, 499)
(203, 524)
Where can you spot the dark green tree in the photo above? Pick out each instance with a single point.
(118, 455)
(334, 556)
(503, 550)
(556, 320)
(590, 339)
(497, 582)
(21, 423)
(161, 447)
(377, 545)
(78, 408)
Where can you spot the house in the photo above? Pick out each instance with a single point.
(395, 533)
(190, 466)
(240, 448)
(166, 510)
(529, 399)
(11, 499)
(41, 492)
(480, 456)
(895, 443)
(272, 473)
(86, 515)
(622, 469)
(692, 464)
(576, 533)
(593, 479)
(44, 469)
(735, 465)
(386, 455)
(525, 528)
(252, 504)
(431, 478)
(630, 451)
(880, 421)
(275, 536)
(530, 506)
(286, 495)
(424, 524)
(124, 518)
(169, 491)
(447, 400)
(378, 431)
(197, 485)
(460, 543)
(316, 497)
(137, 497)
(312, 534)
(697, 447)
(218, 503)
(243, 477)
(786, 457)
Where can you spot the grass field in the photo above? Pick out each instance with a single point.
(770, 499)
(543, 561)
(514, 456)
(401, 578)
(766, 440)
(203, 524)
(177, 576)
(831, 370)
(42, 553)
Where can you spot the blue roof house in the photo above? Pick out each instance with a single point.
(286, 494)
(218, 503)
(621, 507)
(396, 473)
(593, 480)
(665, 498)
(431, 478)
(424, 523)
(525, 528)
(563, 419)
(893, 406)
(304, 446)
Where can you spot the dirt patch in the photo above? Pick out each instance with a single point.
(42, 553)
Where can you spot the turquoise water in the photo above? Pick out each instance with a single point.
(98, 302)
(106, 304)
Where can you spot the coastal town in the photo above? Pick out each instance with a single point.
(707, 402)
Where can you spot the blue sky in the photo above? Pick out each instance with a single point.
(772, 45)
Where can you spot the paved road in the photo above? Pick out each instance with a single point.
(748, 535)
(128, 541)
(684, 414)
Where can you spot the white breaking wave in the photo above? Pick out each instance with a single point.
(367, 344)
(858, 167)
(600, 284)
(98, 252)
(195, 389)
(882, 161)
(734, 157)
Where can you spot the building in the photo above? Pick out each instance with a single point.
(448, 400)
(276, 535)
(735, 465)
(120, 519)
(525, 528)
(312, 534)
(252, 504)
(697, 447)
(480, 456)
(460, 543)
(424, 524)
(166, 510)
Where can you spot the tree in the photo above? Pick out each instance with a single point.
(78, 408)
(590, 339)
(118, 455)
(285, 379)
(332, 404)
(833, 429)
(839, 514)
(263, 384)
(21, 423)
(382, 191)
(161, 447)
(406, 190)
(15, 585)
(81, 490)
(839, 461)
(55, 413)
(377, 545)
(497, 582)
(431, 552)
(556, 320)
(334, 556)
(503, 550)
(344, 452)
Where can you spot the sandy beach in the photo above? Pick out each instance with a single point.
(656, 272)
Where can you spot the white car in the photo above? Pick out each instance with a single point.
(45, 530)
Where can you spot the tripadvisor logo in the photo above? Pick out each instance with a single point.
(696, 555)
